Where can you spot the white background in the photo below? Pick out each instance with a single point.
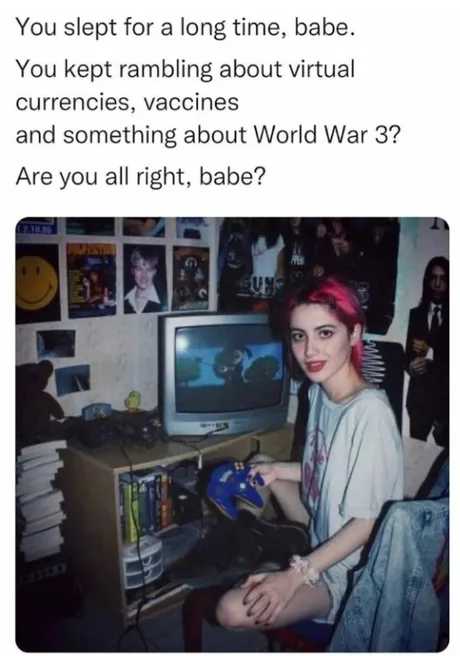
(407, 57)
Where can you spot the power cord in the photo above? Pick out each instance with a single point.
(192, 440)
(135, 626)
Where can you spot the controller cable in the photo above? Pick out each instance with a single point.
(135, 626)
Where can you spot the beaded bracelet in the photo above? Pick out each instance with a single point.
(303, 567)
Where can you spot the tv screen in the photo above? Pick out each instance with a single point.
(219, 371)
(222, 373)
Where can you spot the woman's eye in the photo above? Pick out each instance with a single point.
(326, 333)
(296, 337)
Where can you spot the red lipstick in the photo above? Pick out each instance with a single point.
(315, 366)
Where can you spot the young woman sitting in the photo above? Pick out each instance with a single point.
(352, 465)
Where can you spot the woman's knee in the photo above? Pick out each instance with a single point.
(230, 612)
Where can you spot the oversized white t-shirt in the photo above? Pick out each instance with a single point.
(352, 465)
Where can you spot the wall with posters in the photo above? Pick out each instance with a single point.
(99, 334)
(102, 339)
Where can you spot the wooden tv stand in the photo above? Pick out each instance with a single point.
(92, 530)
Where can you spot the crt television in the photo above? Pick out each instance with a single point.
(220, 374)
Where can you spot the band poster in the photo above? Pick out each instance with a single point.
(190, 278)
(91, 279)
(260, 258)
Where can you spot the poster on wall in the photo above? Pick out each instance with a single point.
(70, 380)
(83, 226)
(37, 283)
(37, 227)
(428, 354)
(259, 259)
(193, 228)
(55, 344)
(250, 263)
(144, 279)
(150, 227)
(190, 278)
(91, 279)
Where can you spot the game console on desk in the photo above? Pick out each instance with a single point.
(99, 425)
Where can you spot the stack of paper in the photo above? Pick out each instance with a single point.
(38, 500)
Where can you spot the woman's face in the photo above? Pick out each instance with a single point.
(320, 343)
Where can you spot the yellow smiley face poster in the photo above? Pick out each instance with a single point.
(37, 283)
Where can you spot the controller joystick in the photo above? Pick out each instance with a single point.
(231, 481)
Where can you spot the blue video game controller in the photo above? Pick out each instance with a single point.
(231, 481)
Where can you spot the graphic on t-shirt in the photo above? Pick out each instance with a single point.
(314, 465)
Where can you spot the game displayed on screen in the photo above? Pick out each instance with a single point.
(227, 368)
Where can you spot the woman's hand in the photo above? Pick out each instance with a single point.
(268, 470)
(268, 594)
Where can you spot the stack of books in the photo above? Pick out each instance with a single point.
(38, 501)
(146, 505)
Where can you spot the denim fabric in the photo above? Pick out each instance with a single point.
(393, 606)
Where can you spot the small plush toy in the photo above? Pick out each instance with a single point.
(231, 481)
(133, 401)
(35, 408)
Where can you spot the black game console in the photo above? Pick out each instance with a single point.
(141, 428)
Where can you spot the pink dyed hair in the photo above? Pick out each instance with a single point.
(340, 298)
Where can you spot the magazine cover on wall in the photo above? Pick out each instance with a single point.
(91, 280)
(250, 263)
(37, 227)
(150, 227)
(193, 228)
(37, 283)
(101, 226)
(144, 279)
(190, 278)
